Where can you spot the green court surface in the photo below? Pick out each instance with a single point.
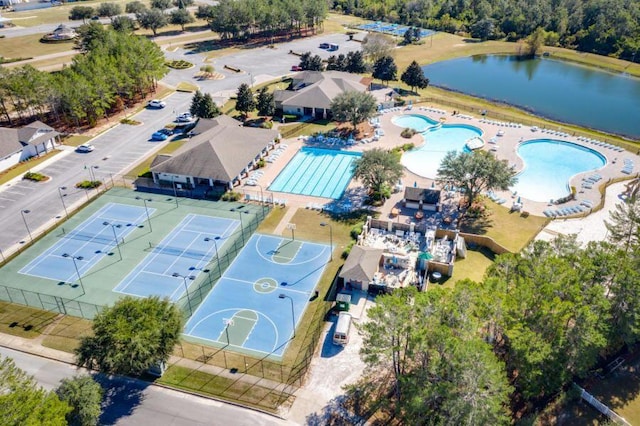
(97, 283)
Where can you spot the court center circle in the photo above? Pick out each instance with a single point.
(265, 285)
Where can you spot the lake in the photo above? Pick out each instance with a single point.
(555, 89)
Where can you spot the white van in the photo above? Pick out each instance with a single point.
(343, 326)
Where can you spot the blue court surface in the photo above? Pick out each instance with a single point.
(185, 251)
(87, 244)
(244, 310)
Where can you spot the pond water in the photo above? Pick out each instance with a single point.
(559, 90)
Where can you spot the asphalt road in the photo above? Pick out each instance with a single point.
(116, 150)
(134, 402)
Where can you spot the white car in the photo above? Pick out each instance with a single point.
(156, 103)
(185, 117)
(85, 147)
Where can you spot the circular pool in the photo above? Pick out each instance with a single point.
(550, 164)
(438, 140)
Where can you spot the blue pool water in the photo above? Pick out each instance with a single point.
(317, 172)
(438, 140)
(549, 165)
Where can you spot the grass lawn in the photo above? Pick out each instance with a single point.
(22, 168)
(471, 267)
(185, 86)
(272, 220)
(29, 46)
(23, 321)
(75, 140)
(512, 230)
(66, 333)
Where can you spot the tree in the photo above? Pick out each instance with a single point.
(311, 63)
(207, 70)
(412, 35)
(475, 172)
(483, 29)
(426, 360)
(376, 46)
(385, 69)
(535, 41)
(135, 7)
(265, 102)
(84, 396)
(182, 4)
(152, 19)
(131, 336)
(123, 24)
(81, 12)
(245, 102)
(414, 77)
(378, 170)
(203, 106)
(22, 402)
(623, 225)
(109, 10)
(353, 107)
(355, 62)
(182, 17)
(161, 4)
(91, 36)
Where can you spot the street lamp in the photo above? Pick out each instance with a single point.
(146, 211)
(115, 236)
(293, 315)
(261, 199)
(60, 189)
(175, 191)
(330, 238)
(186, 288)
(215, 244)
(24, 219)
(75, 265)
(241, 225)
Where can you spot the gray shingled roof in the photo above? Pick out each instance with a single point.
(220, 153)
(13, 140)
(362, 264)
(319, 88)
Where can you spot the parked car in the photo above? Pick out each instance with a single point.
(185, 117)
(296, 68)
(324, 45)
(156, 103)
(85, 147)
(162, 134)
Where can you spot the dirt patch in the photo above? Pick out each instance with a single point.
(363, 130)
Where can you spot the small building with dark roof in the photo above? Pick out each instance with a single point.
(422, 198)
(18, 145)
(361, 266)
(218, 154)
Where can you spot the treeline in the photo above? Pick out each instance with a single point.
(609, 27)
(115, 69)
(245, 18)
(481, 352)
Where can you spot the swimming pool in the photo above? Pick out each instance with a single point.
(549, 165)
(438, 140)
(317, 172)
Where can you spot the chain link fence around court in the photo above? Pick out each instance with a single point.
(47, 302)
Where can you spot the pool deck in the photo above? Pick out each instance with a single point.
(504, 148)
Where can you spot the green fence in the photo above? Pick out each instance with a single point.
(48, 302)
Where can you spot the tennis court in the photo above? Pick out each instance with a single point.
(174, 263)
(254, 306)
(87, 243)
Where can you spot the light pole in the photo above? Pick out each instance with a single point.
(186, 288)
(215, 244)
(241, 225)
(175, 191)
(24, 219)
(60, 189)
(330, 238)
(75, 265)
(293, 315)
(146, 211)
(115, 236)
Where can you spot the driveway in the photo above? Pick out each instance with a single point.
(116, 151)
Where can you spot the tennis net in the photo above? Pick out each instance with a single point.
(75, 235)
(182, 252)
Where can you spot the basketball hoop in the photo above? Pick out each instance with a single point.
(227, 322)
